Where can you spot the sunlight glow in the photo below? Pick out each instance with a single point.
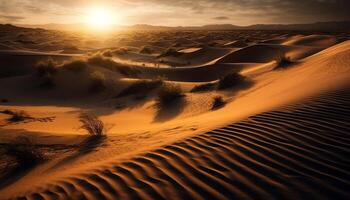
(100, 18)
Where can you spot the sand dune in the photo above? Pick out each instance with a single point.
(281, 131)
(313, 40)
(291, 153)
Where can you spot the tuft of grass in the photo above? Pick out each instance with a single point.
(76, 66)
(93, 126)
(230, 80)
(218, 102)
(168, 94)
(203, 87)
(16, 116)
(98, 82)
(141, 88)
(46, 68)
(25, 152)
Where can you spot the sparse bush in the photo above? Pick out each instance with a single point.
(230, 80)
(168, 94)
(98, 82)
(46, 68)
(218, 102)
(203, 87)
(76, 66)
(16, 116)
(94, 126)
(141, 88)
(101, 61)
(24, 150)
(282, 61)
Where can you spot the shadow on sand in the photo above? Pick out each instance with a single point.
(88, 145)
(167, 112)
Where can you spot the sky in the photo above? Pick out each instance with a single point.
(174, 12)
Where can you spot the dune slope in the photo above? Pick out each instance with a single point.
(297, 152)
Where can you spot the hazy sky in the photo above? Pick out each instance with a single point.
(175, 12)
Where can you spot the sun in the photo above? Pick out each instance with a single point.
(100, 18)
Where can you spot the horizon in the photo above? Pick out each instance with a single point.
(102, 14)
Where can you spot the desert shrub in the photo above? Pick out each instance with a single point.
(16, 116)
(218, 102)
(168, 94)
(101, 61)
(93, 126)
(76, 66)
(141, 87)
(46, 68)
(203, 87)
(282, 61)
(97, 82)
(230, 80)
(24, 151)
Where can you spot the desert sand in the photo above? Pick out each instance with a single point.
(282, 131)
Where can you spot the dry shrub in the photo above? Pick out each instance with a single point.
(203, 87)
(46, 68)
(218, 102)
(230, 80)
(283, 61)
(141, 87)
(168, 94)
(94, 126)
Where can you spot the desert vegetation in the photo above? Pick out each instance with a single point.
(218, 102)
(283, 61)
(204, 87)
(168, 94)
(93, 126)
(142, 87)
(230, 80)
(46, 68)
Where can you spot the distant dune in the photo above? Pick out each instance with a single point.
(319, 26)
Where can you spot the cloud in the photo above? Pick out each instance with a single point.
(11, 18)
(221, 18)
(187, 12)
